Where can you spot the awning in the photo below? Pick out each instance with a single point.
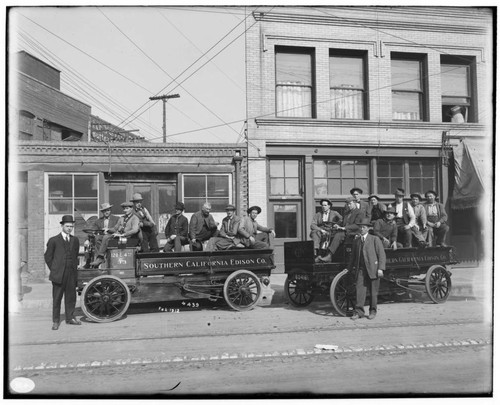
(472, 163)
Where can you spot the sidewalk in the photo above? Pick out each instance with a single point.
(467, 282)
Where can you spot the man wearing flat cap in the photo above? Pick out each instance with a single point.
(147, 224)
(253, 235)
(228, 234)
(202, 227)
(322, 224)
(346, 230)
(363, 206)
(127, 227)
(176, 230)
(367, 263)
(61, 256)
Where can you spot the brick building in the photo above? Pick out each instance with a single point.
(62, 169)
(362, 96)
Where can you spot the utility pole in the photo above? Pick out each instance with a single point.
(164, 98)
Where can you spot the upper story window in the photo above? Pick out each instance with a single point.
(201, 188)
(294, 82)
(407, 87)
(456, 83)
(347, 85)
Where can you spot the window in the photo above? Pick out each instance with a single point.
(201, 188)
(456, 89)
(407, 88)
(26, 122)
(284, 176)
(286, 220)
(337, 177)
(294, 82)
(73, 193)
(411, 175)
(347, 86)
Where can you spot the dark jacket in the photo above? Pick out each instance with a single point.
(55, 256)
(317, 222)
(231, 231)
(442, 215)
(350, 219)
(177, 225)
(99, 223)
(384, 229)
(373, 254)
(196, 224)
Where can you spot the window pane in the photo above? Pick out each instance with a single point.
(334, 169)
(276, 168)
(415, 169)
(428, 184)
(86, 186)
(319, 169)
(347, 184)
(218, 186)
(454, 80)
(346, 103)
(293, 68)
(428, 170)
(277, 186)
(293, 101)
(218, 204)
(292, 186)
(396, 169)
(383, 186)
(416, 186)
(194, 186)
(117, 195)
(362, 184)
(145, 192)
(285, 221)
(60, 186)
(193, 204)
(334, 186)
(347, 169)
(405, 75)
(88, 206)
(383, 169)
(291, 168)
(320, 188)
(405, 106)
(346, 72)
(361, 168)
(167, 197)
(396, 183)
(62, 206)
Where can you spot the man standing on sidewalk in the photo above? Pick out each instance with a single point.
(368, 263)
(62, 258)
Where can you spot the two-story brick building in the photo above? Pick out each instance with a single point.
(363, 96)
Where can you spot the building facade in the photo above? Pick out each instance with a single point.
(364, 96)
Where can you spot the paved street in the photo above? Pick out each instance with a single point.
(411, 347)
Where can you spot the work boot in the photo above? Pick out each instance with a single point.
(98, 261)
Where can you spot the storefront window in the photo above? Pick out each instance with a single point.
(337, 177)
(411, 175)
(212, 188)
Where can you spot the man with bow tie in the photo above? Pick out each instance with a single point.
(61, 257)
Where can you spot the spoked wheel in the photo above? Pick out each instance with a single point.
(299, 291)
(242, 290)
(105, 299)
(438, 284)
(343, 293)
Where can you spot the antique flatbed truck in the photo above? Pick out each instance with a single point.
(131, 277)
(415, 270)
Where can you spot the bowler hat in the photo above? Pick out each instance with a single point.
(400, 192)
(136, 197)
(230, 207)
(127, 204)
(105, 206)
(179, 205)
(350, 199)
(364, 221)
(416, 195)
(431, 191)
(67, 218)
(390, 210)
(356, 189)
(327, 201)
(256, 208)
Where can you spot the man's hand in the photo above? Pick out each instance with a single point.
(252, 239)
(394, 246)
(385, 240)
(380, 273)
(172, 237)
(323, 231)
(407, 227)
(437, 224)
(193, 240)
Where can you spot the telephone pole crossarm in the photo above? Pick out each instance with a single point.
(164, 98)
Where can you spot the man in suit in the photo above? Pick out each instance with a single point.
(322, 224)
(61, 257)
(436, 218)
(346, 230)
(387, 230)
(405, 217)
(419, 230)
(228, 234)
(147, 224)
(368, 264)
(104, 224)
(375, 208)
(202, 227)
(176, 230)
(363, 206)
(254, 235)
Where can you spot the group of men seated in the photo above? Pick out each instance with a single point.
(200, 233)
(399, 224)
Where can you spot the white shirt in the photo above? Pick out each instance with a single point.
(65, 236)
(411, 213)
(326, 215)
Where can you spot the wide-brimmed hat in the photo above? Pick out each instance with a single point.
(105, 206)
(364, 221)
(136, 197)
(400, 192)
(256, 208)
(127, 204)
(230, 207)
(416, 195)
(324, 199)
(431, 191)
(67, 218)
(355, 189)
(374, 196)
(179, 205)
(390, 210)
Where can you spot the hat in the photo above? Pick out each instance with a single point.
(67, 218)
(179, 205)
(324, 199)
(127, 204)
(356, 189)
(136, 197)
(373, 196)
(390, 210)
(350, 199)
(105, 206)
(400, 191)
(431, 191)
(364, 221)
(256, 208)
(416, 195)
(456, 109)
(230, 207)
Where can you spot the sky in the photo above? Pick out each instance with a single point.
(116, 58)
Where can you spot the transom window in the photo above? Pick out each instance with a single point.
(336, 177)
(284, 174)
(456, 89)
(294, 82)
(201, 188)
(407, 88)
(347, 85)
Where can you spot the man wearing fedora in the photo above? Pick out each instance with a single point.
(322, 224)
(253, 235)
(127, 227)
(419, 230)
(202, 227)
(61, 256)
(386, 229)
(105, 223)
(147, 224)
(405, 217)
(228, 233)
(375, 208)
(176, 230)
(367, 262)
(436, 218)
